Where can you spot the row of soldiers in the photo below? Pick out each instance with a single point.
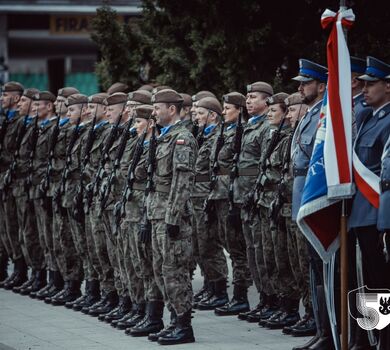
(129, 192)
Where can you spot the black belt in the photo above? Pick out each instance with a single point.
(223, 171)
(139, 186)
(254, 171)
(385, 185)
(163, 188)
(299, 172)
(202, 178)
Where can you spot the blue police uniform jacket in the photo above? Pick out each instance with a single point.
(359, 104)
(384, 205)
(303, 147)
(369, 145)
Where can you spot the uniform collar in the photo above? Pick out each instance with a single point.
(43, 123)
(231, 126)
(360, 94)
(255, 119)
(380, 108)
(146, 142)
(100, 124)
(63, 121)
(165, 130)
(209, 129)
(314, 106)
(11, 114)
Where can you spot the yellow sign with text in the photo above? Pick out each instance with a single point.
(70, 25)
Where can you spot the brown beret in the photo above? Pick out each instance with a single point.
(159, 88)
(202, 94)
(46, 96)
(187, 100)
(141, 96)
(98, 98)
(116, 98)
(167, 96)
(277, 98)
(260, 86)
(235, 98)
(31, 93)
(146, 87)
(76, 99)
(67, 91)
(144, 111)
(210, 103)
(117, 87)
(294, 99)
(13, 86)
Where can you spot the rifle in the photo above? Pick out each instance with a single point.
(195, 129)
(3, 131)
(93, 188)
(120, 206)
(105, 193)
(145, 229)
(78, 209)
(65, 172)
(200, 136)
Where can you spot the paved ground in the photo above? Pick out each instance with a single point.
(27, 324)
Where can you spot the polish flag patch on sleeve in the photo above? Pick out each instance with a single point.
(180, 142)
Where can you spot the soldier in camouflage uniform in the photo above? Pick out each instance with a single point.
(169, 209)
(54, 166)
(11, 124)
(252, 140)
(207, 243)
(274, 235)
(231, 232)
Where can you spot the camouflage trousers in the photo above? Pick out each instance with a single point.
(68, 260)
(103, 266)
(13, 236)
(96, 270)
(130, 239)
(44, 211)
(77, 229)
(251, 227)
(234, 243)
(3, 231)
(299, 260)
(208, 244)
(113, 252)
(29, 241)
(171, 265)
(276, 258)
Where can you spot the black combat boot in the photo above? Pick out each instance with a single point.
(103, 300)
(39, 283)
(20, 268)
(203, 292)
(238, 304)
(303, 328)
(57, 286)
(181, 334)
(124, 308)
(71, 293)
(287, 317)
(26, 284)
(133, 318)
(254, 314)
(110, 304)
(70, 304)
(130, 314)
(50, 298)
(166, 330)
(218, 298)
(271, 307)
(33, 295)
(3, 269)
(92, 297)
(151, 323)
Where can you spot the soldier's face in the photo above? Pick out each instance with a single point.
(275, 114)
(256, 103)
(44, 109)
(140, 125)
(162, 113)
(59, 105)
(230, 113)
(201, 116)
(74, 112)
(114, 113)
(34, 108)
(24, 105)
(184, 112)
(376, 93)
(95, 109)
(193, 111)
(130, 106)
(9, 99)
(295, 113)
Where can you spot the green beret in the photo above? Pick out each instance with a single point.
(187, 100)
(67, 91)
(13, 86)
(144, 111)
(167, 96)
(235, 98)
(294, 99)
(202, 94)
(76, 99)
(141, 96)
(117, 87)
(31, 93)
(260, 86)
(146, 87)
(98, 98)
(277, 98)
(210, 103)
(46, 96)
(116, 98)
(159, 88)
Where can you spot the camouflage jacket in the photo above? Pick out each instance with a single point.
(202, 165)
(174, 176)
(248, 163)
(273, 166)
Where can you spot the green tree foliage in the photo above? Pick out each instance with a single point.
(224, 45)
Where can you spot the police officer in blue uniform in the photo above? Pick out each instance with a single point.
(358, 67)
(312, 78)
(369, 145)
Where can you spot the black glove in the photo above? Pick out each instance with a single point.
(145, 232)
(234, 218)
(385, 243)
(209, 209)
(173, 231)
(249, 200)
